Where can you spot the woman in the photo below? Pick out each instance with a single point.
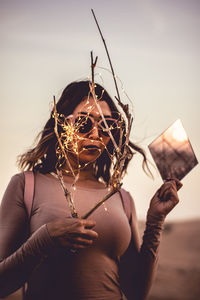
(72, 258)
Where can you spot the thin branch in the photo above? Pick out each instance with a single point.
(120, 155)
(59, 174)
(112, 192)
(108, 55)
(92, 89)
(116, 177)
(93, 65)
(68, 195)
(58, 138)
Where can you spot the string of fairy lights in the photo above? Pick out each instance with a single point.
(67, 131)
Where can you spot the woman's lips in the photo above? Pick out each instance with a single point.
(91, 147)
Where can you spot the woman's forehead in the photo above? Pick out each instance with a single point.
(89, 105)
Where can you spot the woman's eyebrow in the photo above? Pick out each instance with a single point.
(91, 115)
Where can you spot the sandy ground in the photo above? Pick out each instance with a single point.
(178, 276)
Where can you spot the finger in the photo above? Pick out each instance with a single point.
(86, 234)
(177, 181)
(80, 241)
(88, 223)
(78, 246)
(169, 192)
(167, 185)
(170, 195)
(91, 234)
(73, 245)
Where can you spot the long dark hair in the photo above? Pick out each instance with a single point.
(43, 156)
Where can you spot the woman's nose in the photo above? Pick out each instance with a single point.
(94, 133)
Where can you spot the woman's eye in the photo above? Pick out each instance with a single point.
(83, 124)
(111, 124)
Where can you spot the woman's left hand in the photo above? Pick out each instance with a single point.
(165, 199)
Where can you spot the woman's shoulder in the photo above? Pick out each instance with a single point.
(16, 184)
(14, 190)
(126, 194)
(17, 178)
(128, 202)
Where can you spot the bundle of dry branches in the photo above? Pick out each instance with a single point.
(120, 156)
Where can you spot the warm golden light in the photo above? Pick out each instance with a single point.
(178, 132)
(73, 130)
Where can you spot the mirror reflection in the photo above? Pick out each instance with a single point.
(173, 153)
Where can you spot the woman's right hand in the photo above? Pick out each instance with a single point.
(72, 233)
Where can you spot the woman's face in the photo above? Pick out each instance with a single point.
(90, 143)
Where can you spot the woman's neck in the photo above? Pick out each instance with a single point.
(84, 174)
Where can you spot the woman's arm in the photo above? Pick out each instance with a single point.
(140, 262)
(17, 256)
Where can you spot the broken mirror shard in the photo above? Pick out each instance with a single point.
(173, 153)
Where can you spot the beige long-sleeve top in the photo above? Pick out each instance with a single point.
(115, 261)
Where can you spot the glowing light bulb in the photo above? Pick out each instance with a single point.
(105, 208)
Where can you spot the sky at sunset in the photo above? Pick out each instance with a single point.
(154, 46)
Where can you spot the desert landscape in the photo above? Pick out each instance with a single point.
(178, 276)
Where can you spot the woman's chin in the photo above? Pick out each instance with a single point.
(89, 155)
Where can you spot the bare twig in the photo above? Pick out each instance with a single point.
(59, 173)
(92, 89)
(122, 152)
(112, 192)
(68, 195)
(58, 138)
(116, 177)
(93, 65)
(108, 55)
